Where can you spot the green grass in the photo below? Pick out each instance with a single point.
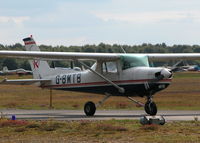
(183, 94)
(98, 131)
(186, 74)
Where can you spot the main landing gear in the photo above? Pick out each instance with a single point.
(150, 106)
(90, 107)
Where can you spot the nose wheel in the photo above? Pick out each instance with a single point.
(150, 108)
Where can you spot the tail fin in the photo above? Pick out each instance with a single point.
(40, 68)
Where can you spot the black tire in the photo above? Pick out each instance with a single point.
(89, 108)
(151, 108)
(146, 108)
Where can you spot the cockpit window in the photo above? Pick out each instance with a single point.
(109, 67)
(129, 61)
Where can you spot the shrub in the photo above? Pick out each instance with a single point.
(22, 129)
(33, 125)
(107, 127)
(11, 123)
(122, 105)
(84, 122)
(49, 126)
(151, 127)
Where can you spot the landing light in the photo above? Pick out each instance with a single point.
(162, 86)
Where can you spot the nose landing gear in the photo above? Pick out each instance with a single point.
(150, 107)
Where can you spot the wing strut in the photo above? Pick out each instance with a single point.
(120, 89)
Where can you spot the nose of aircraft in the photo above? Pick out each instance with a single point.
(166, 73)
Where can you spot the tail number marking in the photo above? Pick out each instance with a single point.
(68, 79)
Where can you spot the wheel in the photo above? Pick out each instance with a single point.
(150, 108)
(89, 108)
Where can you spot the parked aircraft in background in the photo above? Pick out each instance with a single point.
(184, 66)
(19, 72)
(191, 68)
(126, 75)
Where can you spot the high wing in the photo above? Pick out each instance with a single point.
(173, 56)
(95, 56)
(59, 55)
(24, 81)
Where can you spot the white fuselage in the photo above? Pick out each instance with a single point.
(129, 79)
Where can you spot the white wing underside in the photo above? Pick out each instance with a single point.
(59, 55)
(173, 56)
(95, 56)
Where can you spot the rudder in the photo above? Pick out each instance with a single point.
(39, 67)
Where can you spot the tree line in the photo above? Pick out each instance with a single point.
(12, 63)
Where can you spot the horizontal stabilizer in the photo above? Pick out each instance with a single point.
(24, 81)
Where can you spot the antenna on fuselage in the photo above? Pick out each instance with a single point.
(122, 49)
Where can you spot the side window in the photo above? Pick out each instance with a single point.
(109, 67)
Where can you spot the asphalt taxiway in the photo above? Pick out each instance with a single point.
(169, 115)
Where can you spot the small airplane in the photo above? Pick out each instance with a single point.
(191, 67)
(19, 72)
(184, 66)
(112, 74)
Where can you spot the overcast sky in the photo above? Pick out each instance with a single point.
(80, 22)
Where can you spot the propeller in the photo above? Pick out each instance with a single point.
(163, 74)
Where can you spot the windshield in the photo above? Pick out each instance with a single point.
(130, 60)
